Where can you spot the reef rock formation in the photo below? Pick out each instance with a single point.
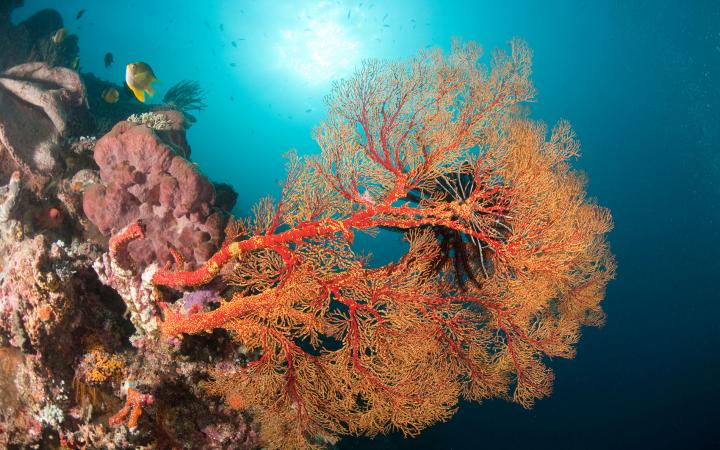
(31, 40)
(38, 103)
(144, 179)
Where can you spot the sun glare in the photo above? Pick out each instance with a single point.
(317, 48)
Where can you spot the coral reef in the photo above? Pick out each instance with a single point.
(134, 314)
(78, 316)
(31, 40)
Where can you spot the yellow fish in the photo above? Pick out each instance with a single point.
(110, 95)
(59, 36)
(138, 77)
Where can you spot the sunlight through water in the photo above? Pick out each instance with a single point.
(317, 47)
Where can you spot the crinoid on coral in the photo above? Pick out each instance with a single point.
(186, 96)
(507, 258)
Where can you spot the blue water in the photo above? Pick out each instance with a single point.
(640, 82)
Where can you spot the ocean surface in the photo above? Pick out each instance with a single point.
(638, 80)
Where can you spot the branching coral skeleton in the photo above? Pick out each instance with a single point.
(507, 258)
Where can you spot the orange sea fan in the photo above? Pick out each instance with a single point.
(507, 257)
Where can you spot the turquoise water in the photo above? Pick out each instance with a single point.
(639, 82)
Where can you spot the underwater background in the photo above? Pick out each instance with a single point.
(640, 83)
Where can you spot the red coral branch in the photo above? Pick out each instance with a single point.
(119, 241)
(132, 409)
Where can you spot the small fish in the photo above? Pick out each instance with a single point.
(232, 99)
(108, 59)
(232, 64)
(75, 63)
(385, 16)
(308, 110)
(222, 27)
(110, 95)
(234, 44)
(348, 16)
(79, 14)
(59, 36)
(138, 77)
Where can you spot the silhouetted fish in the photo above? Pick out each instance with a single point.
(110, 95)
(108, 59)
(80, 14)
(234, 44)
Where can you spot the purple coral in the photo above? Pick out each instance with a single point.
(197, 300)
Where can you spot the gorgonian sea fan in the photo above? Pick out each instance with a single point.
(507, 257)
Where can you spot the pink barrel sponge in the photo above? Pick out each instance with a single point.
(143, 179)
